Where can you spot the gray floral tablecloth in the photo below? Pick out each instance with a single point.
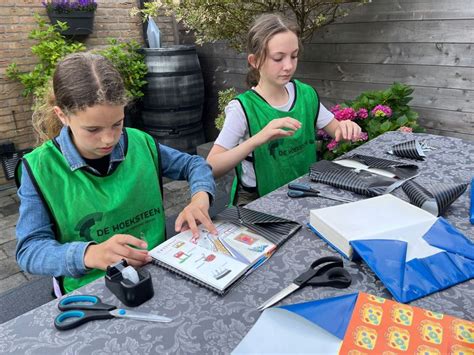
(205, 323)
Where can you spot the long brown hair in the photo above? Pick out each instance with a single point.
(81, 80)
(262, 31)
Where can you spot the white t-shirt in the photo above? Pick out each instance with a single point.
(235, 130)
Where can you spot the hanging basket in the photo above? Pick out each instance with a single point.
(80, 22)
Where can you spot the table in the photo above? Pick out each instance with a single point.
(205, 323)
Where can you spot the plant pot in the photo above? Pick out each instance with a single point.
(79, 22)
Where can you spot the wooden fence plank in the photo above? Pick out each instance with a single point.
(451, 31)
(436, 98)
(460, 122)
(410, 10)
(451, 54)
(433, 76)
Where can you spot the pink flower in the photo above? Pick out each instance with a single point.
(363, 136)
(345, 114)
(362, 113)
(335, 109)
(405, 129)
(322, 134)
(382, 111)
(332, 144)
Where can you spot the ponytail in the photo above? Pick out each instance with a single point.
(253, 77)
(45, 122)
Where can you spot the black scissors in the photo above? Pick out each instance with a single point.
(81, 309)
(332, 274)
(296, 190)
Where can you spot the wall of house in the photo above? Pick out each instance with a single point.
(427, 44)
(112, 20)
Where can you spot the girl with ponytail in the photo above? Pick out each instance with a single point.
(270, 130)
(93, 187)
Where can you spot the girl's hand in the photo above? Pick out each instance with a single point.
(119, 246)
(275, 129)
(196, 211)
(347, 130)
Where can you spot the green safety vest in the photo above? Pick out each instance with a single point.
(85, 207)
(283, 160)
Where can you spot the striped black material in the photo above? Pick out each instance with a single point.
(411, 149)
(343, 179)
(277, 230)
(362, 182)
(380, 163)
(440, 195)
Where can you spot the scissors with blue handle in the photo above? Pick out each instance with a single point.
(296, 190)
(327, 271)
(81, 309)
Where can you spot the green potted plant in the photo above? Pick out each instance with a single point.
(78, 14)
(130, 62)
(376, 112)
(51, 46)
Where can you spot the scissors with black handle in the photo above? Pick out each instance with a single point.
(297, 190)
(81, 309)
(327, 271)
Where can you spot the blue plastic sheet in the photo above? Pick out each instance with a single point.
(419, 277)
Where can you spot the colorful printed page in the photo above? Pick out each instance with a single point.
(214, 260)
(381, 326)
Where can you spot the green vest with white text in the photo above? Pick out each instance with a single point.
(280, 161)
(86, 207)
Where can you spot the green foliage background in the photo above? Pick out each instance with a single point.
(52, 46)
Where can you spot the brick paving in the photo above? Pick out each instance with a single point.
(10, 274)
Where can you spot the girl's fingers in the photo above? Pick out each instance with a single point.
(178, 224)
(131, 240)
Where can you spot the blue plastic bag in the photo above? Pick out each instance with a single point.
(472, 202)
(153, 34)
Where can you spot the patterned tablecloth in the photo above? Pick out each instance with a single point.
(205, 323)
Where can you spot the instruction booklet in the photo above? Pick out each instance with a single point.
(218, 261)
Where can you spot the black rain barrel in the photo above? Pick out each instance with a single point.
(174, 97)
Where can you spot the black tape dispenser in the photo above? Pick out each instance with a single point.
(131, 286)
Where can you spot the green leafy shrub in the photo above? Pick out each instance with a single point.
(51, 47)
(230, 20)
(130, 63)
(225, 96)
(376, 112)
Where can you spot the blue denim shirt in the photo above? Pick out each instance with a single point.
(38, 251)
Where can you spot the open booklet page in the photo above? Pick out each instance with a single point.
(215, 260)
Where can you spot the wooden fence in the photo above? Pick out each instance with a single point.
(426, 44)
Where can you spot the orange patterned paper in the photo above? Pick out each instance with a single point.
(380, 326)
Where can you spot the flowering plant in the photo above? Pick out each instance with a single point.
(376, 112)
(67, 6)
